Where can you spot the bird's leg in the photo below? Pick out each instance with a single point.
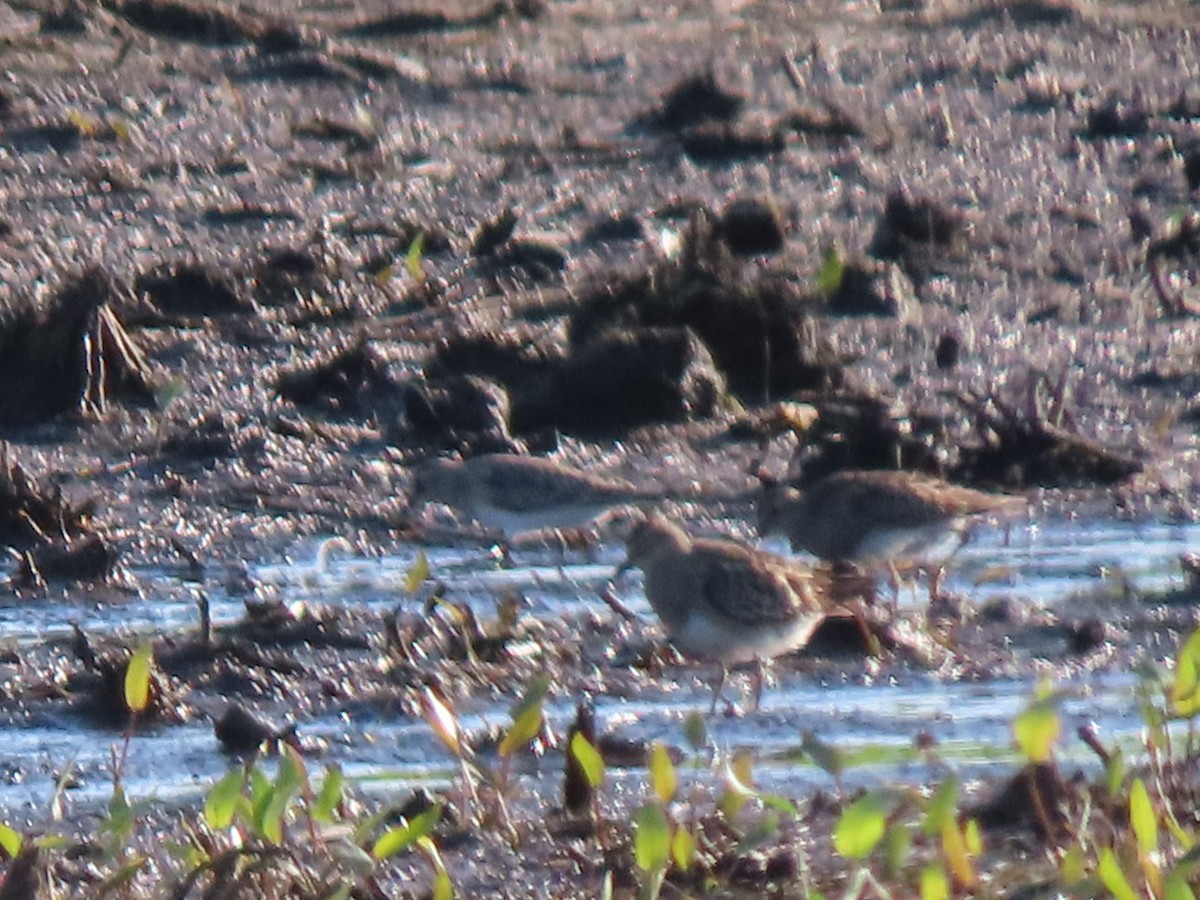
(756, 682)
(718, 687)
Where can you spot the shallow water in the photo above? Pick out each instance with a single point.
(1041, 563)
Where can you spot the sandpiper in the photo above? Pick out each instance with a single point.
(515, 494)
(879, 517)
(723, 601)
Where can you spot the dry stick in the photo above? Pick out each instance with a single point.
(609, 596)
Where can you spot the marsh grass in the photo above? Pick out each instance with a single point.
(698, 826)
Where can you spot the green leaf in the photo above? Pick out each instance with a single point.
(897, 848)
(683, 849)
(1185, 689)
(404, 836)
(662, 773)
(935, 883)
(443, 889)
(168, 393)
(1115, 771)
(829, 276)
(652, 838)
(414, 257)
(137, 678)
(779, 803)
(10, 841)
(942, 807)
(589, 759)
(288, 781)
(695, 732)
(1176, 888)
(527, 717)
(1037, 730)
(973, 837)
(861, 826)
(330, 795)
(222, 801)
(1142, 818)
(1073, 868)
(1113, 878)
(120, 821)
(417, 573)
(828, 757)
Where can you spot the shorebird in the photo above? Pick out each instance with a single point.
(879, 517)
(723, 601)
(515, 494)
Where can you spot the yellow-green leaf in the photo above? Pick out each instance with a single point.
(404, 836)
(973, 837)
(662, 773)
(1185, 689)
(860, 828)
(526, 726)
(829, 276)
(417, 573)
(897, 847)
(683, 849)
(10, 841)
(137, 678)
(1177, 888)
(1073, 868)
(828, 757)
(652, 838)
(443, 888)
(1142, 818)
(1037, 730)
(935, 884)
(1113, 878)
(330, 795)
(221, 802)
(695, 732)
(954, 849)
(589, 759)
(289, 780)
(414, 257)
(942, 807)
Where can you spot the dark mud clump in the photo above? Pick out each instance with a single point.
(759, 330)
(70, 354)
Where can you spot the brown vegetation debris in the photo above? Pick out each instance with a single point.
(68, 354)
(1180, 244)
(1035, 443)
(30, 516)
(89, 559)
(1032, 799)
(101, 692)
(859, 430)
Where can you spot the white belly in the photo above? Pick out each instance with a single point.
(703, 637)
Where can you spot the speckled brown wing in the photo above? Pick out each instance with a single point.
(751, 587)
(956, 500)
(545, 483)
(837, 512)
